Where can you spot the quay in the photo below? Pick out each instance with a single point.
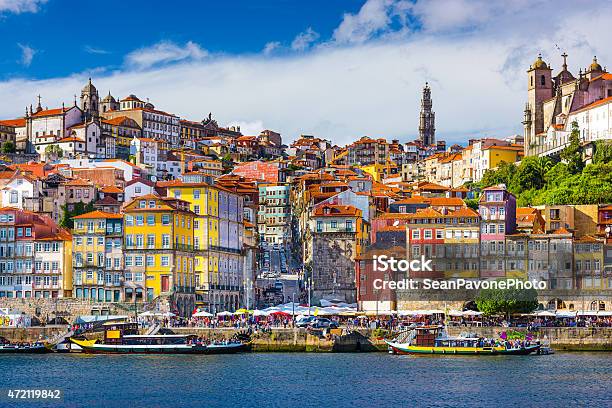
(355, 340)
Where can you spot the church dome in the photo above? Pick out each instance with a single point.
(595, 65)
(109, 98)
(89, 88)
(539, 63)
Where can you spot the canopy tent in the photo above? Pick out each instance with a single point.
(258, 313)
(203, 313)
(472, 313)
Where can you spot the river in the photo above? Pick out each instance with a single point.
(312, 380)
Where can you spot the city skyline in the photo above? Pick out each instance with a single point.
(358, 69)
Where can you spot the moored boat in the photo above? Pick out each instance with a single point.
(123, 338)
(7, 347)
(434, 340)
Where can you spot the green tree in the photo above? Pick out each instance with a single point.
(53, 152)
(572, 154)
(603, 152)
(506, 301)
(8, 147)
(472, 203)
(79, 209)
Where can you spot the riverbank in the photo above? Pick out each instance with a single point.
(359, 340)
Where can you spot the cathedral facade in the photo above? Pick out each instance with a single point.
(555, 102)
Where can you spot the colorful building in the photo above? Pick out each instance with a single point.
(97, 240)
(35, 256)
(159, 251)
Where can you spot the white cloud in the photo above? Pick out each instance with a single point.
(20, 6)
(27, 54)
(95, 50)
(250, 128)
(374, 17)
(270, 47)
(164, 52)
(304, 40)
(476, 69)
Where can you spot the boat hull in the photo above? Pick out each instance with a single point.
(228, 348)
(399, 348)
(25, 350)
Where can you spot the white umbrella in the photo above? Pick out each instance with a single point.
(203, 313)
(225, 314)
(455, 313)
(471, 313)
(147, 314)
(545, 314)
(260, 313)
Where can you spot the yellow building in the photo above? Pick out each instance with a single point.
(203, 201)
(218, 241)
(492, 156)
(97, 239)
(381, 171)
(159, 251)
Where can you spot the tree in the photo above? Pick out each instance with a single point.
(53, 152)
(8, 147)
(603, 152)
(472, 203)
(572, 154)
(507, 301)
(79, 209)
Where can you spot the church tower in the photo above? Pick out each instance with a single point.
(539, 89)
(427, 119)
(89, 101)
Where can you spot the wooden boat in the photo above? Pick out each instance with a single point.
(123, 338)
(7, 347)
(434, 340)
(227, 347)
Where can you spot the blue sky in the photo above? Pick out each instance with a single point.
(338, 69)
(69, 39)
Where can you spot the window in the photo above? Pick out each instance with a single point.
(150, 219)
(416, 234)
(139, 220)
(165, 219)
(428, 234)
(165, 241)
(165, 261)
(138, 260)
(150, 260)
(151, 241)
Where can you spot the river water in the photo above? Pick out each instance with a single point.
(313, 380)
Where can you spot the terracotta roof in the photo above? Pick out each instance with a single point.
(140, 180)
(594, 104)
(111, 190)
(21, 122)
(51, 112)
(97, 214)
(336, 210)
(79, 182)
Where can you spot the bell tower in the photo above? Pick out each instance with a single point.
(539, 88)
(427, 119)
(90, 101)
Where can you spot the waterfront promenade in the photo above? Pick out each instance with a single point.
(354, 340)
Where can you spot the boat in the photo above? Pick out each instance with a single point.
(435, 340)
(227, 347)
(6, 347)
(123, 338)
(68, 346)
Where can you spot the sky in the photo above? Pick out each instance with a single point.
(335, 69)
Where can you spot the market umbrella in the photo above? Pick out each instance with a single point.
(202, 314)
(280, 314)
(243, 311)
(225, 314)
(259, 313)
